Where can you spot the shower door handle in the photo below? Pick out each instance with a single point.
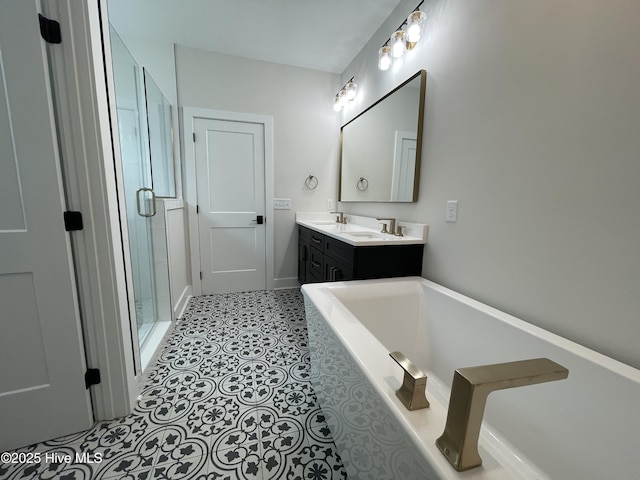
(153, 202)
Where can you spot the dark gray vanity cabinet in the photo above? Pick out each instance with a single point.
(303, 254)
(322, 258)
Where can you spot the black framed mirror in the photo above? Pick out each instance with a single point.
(381, 147)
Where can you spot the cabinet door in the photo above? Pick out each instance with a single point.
(316, 261)
(303, 262)
(336, 271)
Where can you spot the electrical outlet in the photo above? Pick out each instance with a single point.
(330, 205)
(451, 214)
(282, 204)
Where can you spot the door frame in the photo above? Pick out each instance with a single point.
(188, 117)
(93, 187)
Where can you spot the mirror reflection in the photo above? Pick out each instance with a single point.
(381, 147)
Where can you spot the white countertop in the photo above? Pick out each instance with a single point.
(361, 231)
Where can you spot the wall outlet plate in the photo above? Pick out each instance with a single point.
(451, 214)
(282, 204)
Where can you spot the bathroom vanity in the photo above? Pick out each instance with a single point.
(330, 251)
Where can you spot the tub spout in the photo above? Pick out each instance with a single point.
(471, 386)
(412, 391)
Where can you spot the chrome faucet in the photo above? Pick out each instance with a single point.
(469, 392)
(392, 225)
(414, 382)
(340, 218)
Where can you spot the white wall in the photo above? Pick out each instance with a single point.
(305, 129)
(533, 125)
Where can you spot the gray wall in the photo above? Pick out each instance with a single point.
(533, 125)
(305, 130)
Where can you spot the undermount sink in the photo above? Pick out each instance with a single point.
(366, 235)
(323, 223)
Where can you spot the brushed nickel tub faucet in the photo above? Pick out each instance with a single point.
(469, 392)
(412, 391)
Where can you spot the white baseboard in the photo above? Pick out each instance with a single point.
(152, 345)
(181, 304)
(290, 282)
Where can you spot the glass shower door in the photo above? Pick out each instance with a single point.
(139, 194)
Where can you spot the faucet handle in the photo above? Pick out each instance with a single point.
(392, 225)
(412, 391)
(340, 218)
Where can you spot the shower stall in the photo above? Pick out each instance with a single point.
(146, 148)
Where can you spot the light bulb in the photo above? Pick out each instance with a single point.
(342, 98)
(397, 44)
(336, 104)
(384, 58)
(351, 89)
(414, 27)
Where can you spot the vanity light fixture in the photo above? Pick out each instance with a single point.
(402, 40)
(397, 44)
(415, 24)
(346, 95)
(384, 58)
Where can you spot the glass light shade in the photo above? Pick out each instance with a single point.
(351, 89)
(342, 98)
(336, 104)
(397, 44)
(415, 24)
(384, 58)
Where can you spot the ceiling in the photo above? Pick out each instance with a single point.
(318, 34)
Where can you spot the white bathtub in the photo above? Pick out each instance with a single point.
(584, 427)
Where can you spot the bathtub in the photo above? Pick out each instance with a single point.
(584, 427)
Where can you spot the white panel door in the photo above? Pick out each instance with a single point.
(404, 166)
(231, 198)
(42, 365)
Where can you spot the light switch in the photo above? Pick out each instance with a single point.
(282, 204)
(451, 214)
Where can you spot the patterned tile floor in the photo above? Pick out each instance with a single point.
(229, 398)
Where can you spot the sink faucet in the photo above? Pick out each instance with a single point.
(469, 392)
(392, 225)
(340, 218)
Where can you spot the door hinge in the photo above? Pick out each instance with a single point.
(50, 30)
(92, 377)
(200, 275)
(73, 221)
(197, 208)
(194, 136)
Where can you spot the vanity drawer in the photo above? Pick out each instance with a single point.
(340, 251)
(316, 263)
(316, 240)
(304, 234)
